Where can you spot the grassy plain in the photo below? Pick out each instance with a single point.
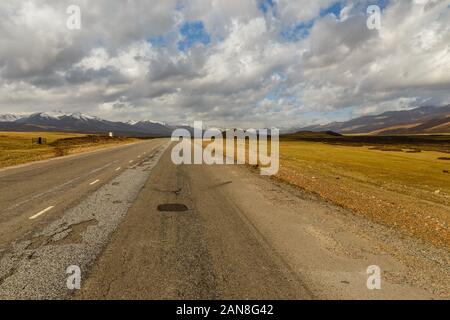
(407, 189)
(399, 181)
(17, 147)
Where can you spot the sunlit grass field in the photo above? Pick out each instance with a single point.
(404, 184)
(406, 189)
(17, 147)
(423, 170)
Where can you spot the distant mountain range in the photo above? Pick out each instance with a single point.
(82, 123)
(423, 120)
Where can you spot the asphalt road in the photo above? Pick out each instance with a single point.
(27, 190)
(59, 199)
(209, 251)
(140, 227)
(244, 236)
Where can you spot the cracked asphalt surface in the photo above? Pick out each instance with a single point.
(244, 236)
(149, 229)
(205, 252)
(34, 266)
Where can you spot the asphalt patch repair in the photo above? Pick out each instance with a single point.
(172, 207)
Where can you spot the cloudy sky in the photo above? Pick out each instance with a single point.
(226, 62)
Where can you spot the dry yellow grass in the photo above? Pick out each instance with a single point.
(17, 148)
(407, 191)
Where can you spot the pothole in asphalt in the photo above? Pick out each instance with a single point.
(172, 207)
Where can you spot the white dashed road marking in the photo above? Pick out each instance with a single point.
(53, 189)
(41, 212)
(94, 182)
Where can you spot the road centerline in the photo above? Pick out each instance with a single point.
(94, 182)
(41, 213)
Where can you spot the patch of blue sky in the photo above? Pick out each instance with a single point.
(335, 9)
(382, 3)
(193, 32)
(279, 87)
(265, 5)
(301, 30)
(279, 94)
(179, 5)
(297, 31)
(272, 95)
(159, 41)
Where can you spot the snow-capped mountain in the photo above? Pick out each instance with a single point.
(82, 116)
(79, 122)
(134, 122)
(131, 122)
(8, 117)
(151, 127)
